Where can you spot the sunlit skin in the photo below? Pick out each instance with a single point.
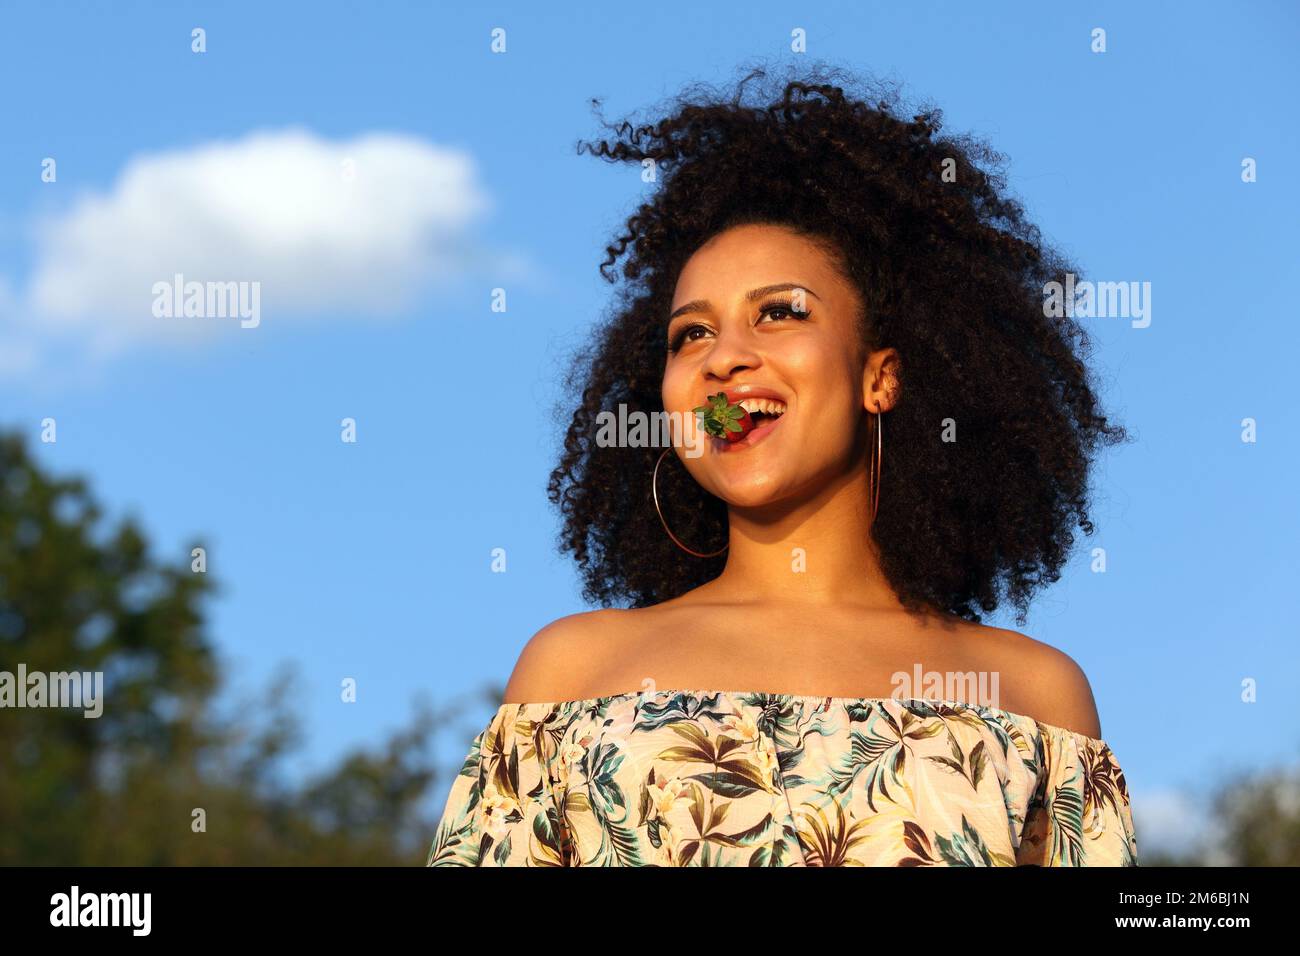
(805, 484)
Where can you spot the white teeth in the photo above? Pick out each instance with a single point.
(768, 406)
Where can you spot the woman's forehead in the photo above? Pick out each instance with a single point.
(744, 258)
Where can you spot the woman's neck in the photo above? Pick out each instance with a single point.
(815, 550)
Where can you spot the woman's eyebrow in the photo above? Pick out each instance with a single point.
(702, 305)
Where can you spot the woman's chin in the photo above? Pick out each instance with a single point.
(752, 492)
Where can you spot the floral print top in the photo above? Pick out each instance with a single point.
(725, 778)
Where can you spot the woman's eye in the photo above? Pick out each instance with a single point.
(784, 309)
(685, 335)
(692, 333)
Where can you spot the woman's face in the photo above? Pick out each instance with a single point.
(762, 311)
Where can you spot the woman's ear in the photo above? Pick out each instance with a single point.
(880, 381)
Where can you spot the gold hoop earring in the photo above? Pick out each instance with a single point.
(654, 492)
(875, 467)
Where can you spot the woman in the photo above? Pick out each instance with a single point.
(809, 266)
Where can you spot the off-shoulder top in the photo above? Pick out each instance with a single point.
(731, 778)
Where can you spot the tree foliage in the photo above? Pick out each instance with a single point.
(125, 788)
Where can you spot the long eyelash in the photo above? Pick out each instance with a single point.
(680, 337)
(788, 307)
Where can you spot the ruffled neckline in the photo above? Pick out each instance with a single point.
(586, 702)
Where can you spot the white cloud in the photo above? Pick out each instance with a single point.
(357, 227)
(1173, 822)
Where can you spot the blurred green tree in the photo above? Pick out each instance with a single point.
(123, 788)
(1256, 822)
(1260, 816)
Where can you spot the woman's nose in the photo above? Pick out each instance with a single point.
(733, 351)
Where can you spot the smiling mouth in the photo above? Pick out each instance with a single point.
(765, 422)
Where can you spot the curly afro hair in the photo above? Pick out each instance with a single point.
(952, 276)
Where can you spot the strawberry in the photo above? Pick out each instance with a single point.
(721, 419)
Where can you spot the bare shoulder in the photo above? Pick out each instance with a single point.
(558, 658)
(1047, 683)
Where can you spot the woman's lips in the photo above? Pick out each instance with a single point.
(753, 438)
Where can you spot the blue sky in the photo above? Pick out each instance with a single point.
(372, 559)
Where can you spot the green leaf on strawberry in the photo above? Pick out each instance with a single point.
(721, 419)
